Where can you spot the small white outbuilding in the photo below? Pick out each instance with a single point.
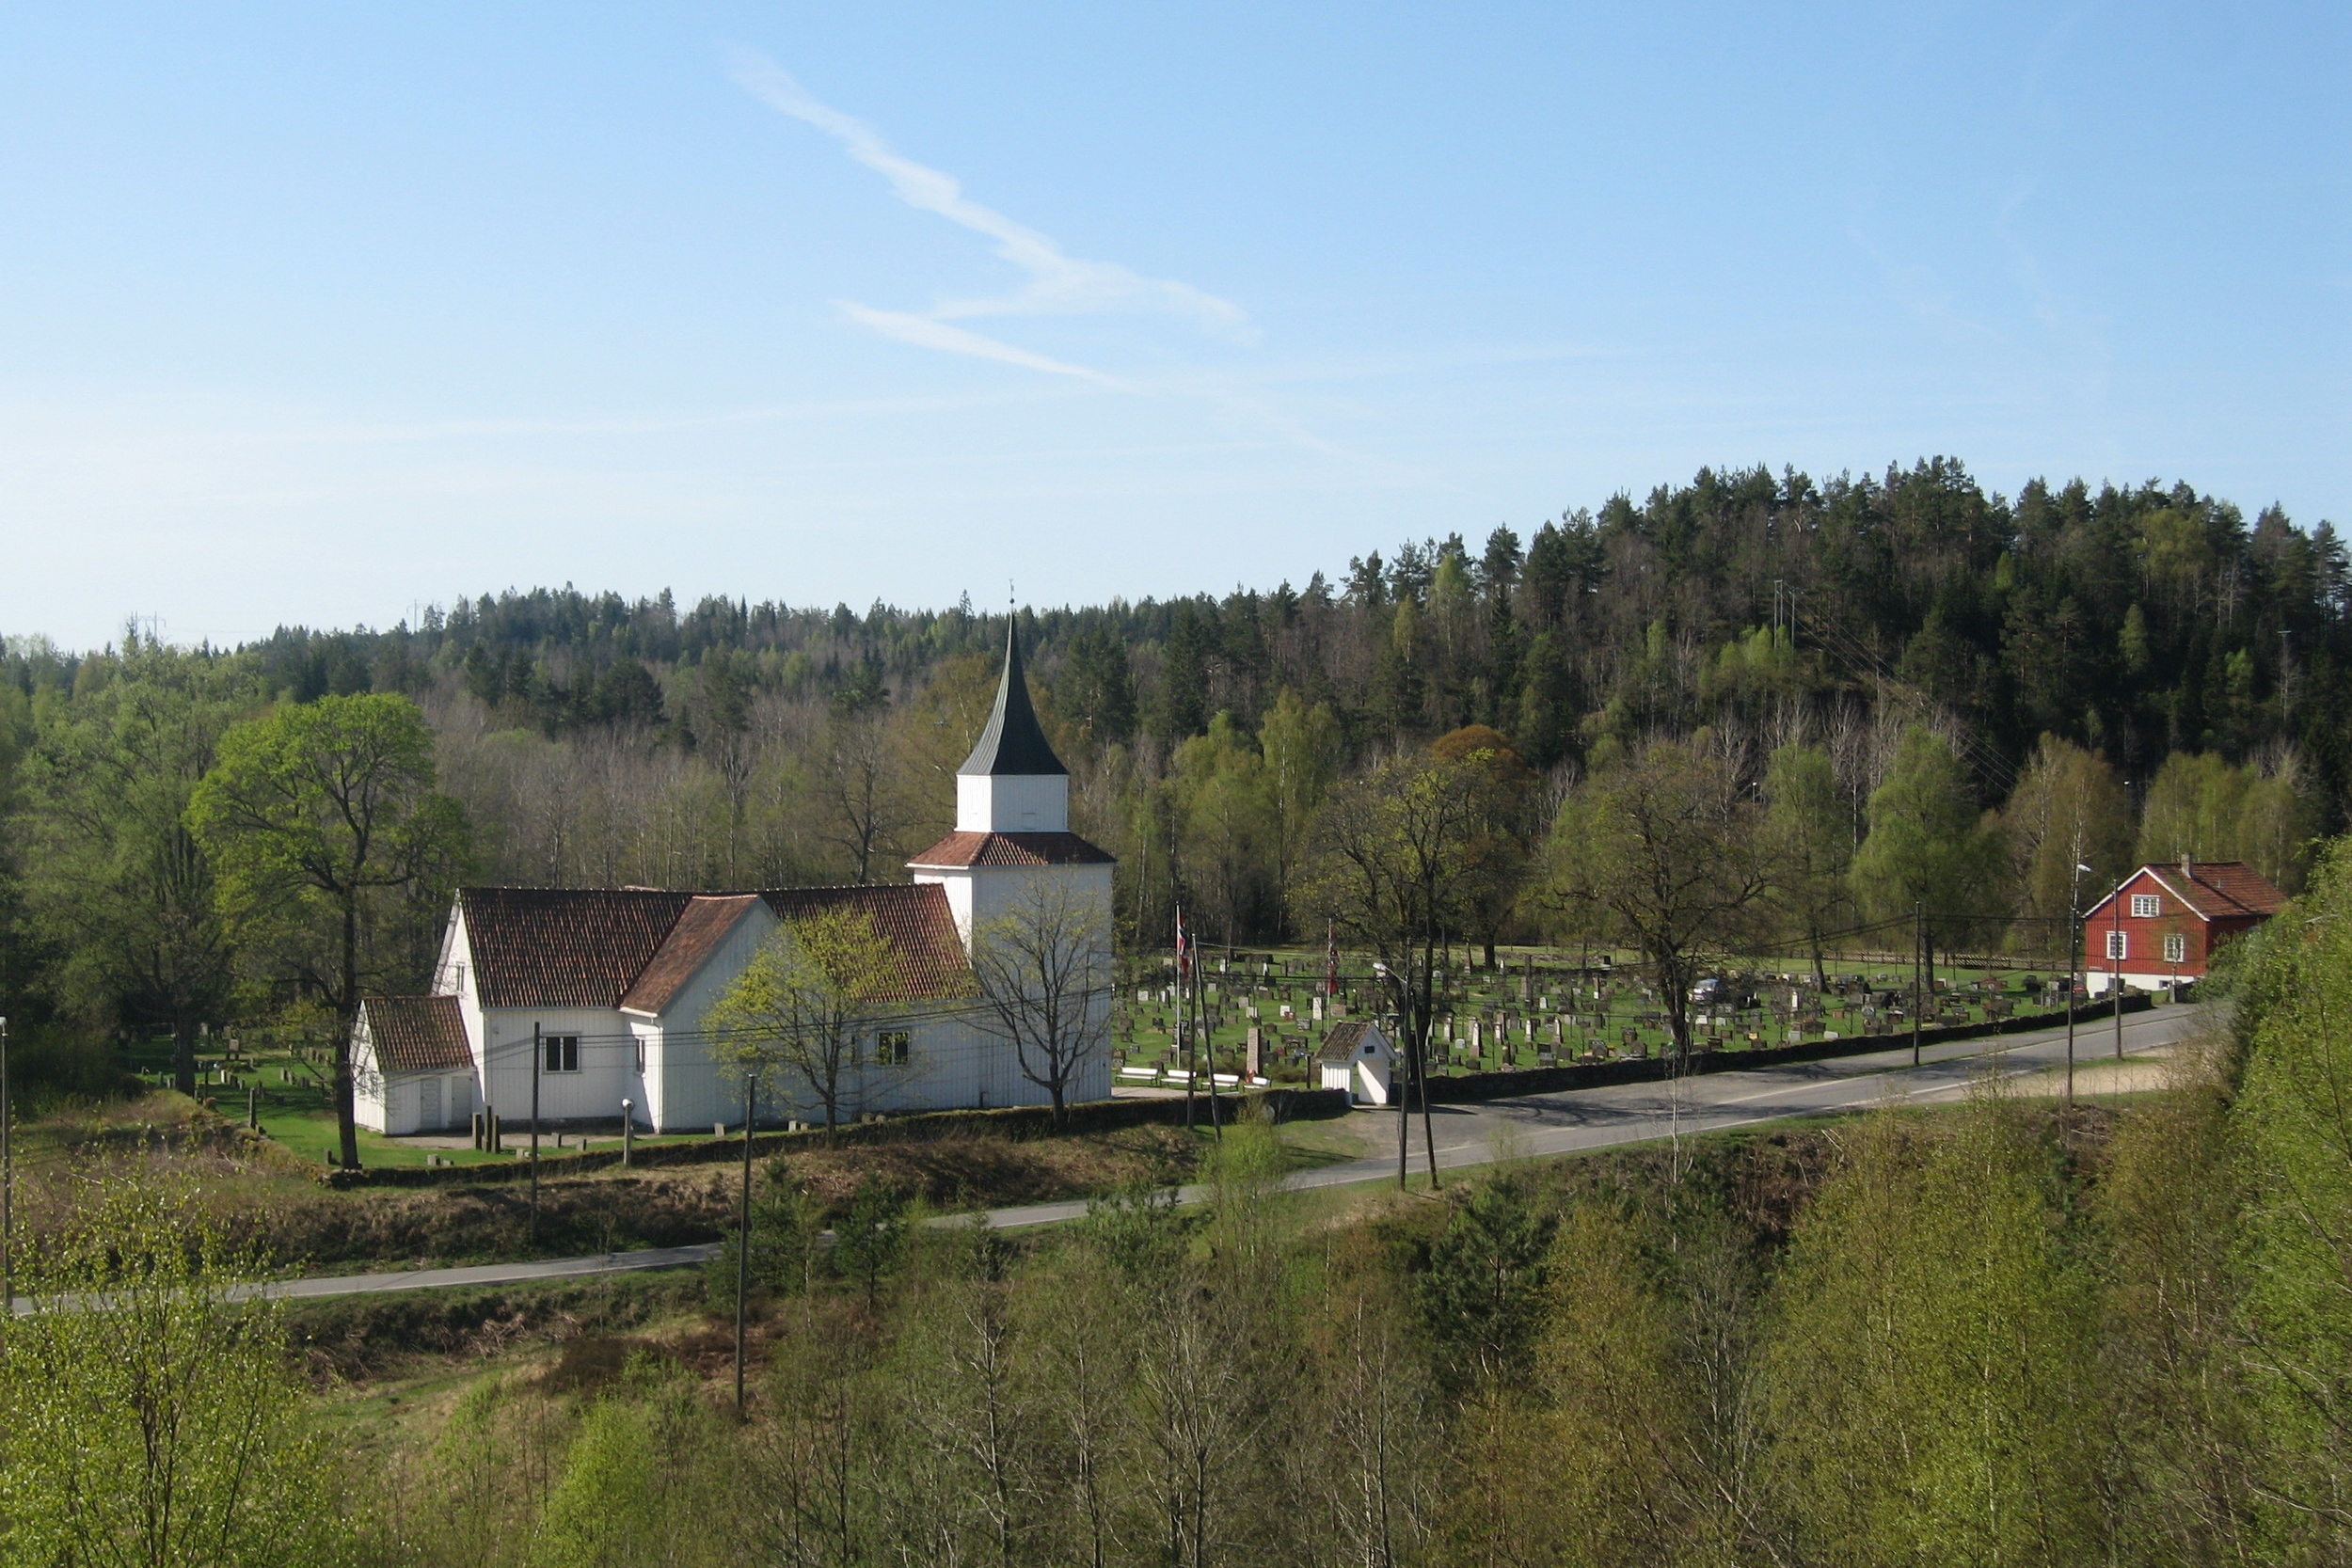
(412, 1070)
(1359, 1058)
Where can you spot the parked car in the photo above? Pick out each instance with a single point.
(1708, 991)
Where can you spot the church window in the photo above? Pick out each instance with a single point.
(560, 1052)
(895, 1048)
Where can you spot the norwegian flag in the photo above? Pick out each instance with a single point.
(1184, 949)
(1330, 962)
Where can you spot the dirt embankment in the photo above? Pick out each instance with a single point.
(621, 1210)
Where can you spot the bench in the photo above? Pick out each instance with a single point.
(1145, 1073)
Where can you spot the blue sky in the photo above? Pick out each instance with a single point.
(319, 313)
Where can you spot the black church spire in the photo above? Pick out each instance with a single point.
(1013, 743)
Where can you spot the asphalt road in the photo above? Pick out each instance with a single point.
(1536, 1124)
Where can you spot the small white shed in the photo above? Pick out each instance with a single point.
(412, 1070)
(1359, 1058)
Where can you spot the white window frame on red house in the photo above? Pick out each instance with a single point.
(2146, 906)
(2175, 947)
(2118, 945)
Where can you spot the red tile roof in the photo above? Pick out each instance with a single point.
(416, 1033)
(564, 947)
(609, 947)
(2219, 889)
(701, 928)
(915, 920)
(967, 850)
(2213, 890)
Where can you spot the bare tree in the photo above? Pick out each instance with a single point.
(1045, 968)
(859, 784)
(1388, 864)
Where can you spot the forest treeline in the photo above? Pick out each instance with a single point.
(2060, 678)
(1991, 1334)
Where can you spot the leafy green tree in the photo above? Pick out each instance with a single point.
(2200, 807)
(1482, 1282)
(2175, 1385)
(1501, 845)
(115, 879)
(1928, 850)
(870, 1237)
(1225, 852)
(1549, 703)
(1812, 842)
(2291, 1122)
(1304, 752)
(1100, 688)
(641, 1481)
(1185, 672)
(337, 854)
(1665, 853)
(801, 1010)
(1928, 1384)
(2068, 810)
(149, 1414)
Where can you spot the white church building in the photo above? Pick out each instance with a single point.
(614, 984)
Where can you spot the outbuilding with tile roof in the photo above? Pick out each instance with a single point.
(412, 1070)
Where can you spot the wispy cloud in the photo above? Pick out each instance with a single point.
(930, 332)
(1057, 284)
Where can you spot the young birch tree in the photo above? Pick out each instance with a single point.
(147, 1418)
(802, 1006)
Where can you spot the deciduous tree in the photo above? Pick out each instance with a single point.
(337, 854)
(1664, 853)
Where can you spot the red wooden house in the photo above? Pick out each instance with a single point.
(2163, 922)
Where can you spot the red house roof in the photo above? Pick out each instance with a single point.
(2212, 889)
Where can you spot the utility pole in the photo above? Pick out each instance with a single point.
(538, 1052)
(2070, 1004)
(7, 1187)
(2073, 955)
(1918, 962)
(743, 1240)
(2117, 966)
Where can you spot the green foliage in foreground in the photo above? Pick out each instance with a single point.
(1985, 1334)
(145, 1418)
